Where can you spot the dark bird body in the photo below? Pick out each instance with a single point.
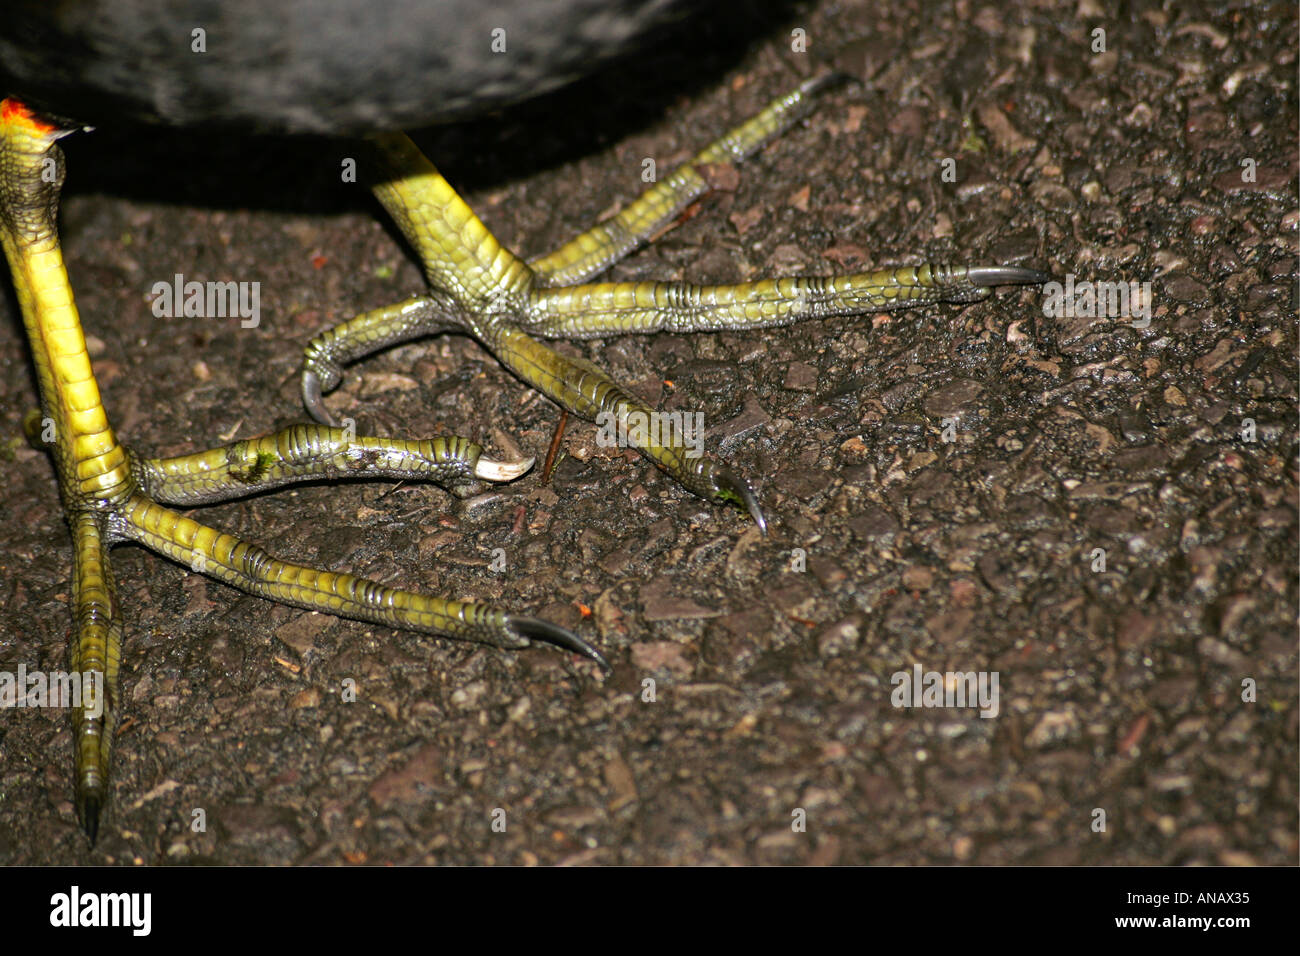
(309, 66)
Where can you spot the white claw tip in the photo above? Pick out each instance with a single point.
(490, 470)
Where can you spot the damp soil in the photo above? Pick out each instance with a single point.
(1100, 510)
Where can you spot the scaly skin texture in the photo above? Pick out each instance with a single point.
(478, 287)
(93, 472)
(481, 288)
(109, 495)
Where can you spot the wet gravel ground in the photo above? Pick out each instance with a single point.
(1078, 504)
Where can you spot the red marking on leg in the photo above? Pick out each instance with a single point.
(16, 113)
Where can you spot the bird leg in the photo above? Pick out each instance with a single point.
(110, 494)
(479, 287)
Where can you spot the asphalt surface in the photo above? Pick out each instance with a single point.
(768, 734)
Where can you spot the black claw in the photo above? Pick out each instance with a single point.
(90, 817)
(311, 399)
(737, 489)
(535, 629)
(829, 81)
(989, 276)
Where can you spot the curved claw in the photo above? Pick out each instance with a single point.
(315, 404)
(490, 470)
(735, 488)
(89, 812)
(989, 276)
(826, 81)
(535, 629)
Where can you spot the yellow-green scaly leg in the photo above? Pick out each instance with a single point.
(481, 288)
(110, 495)
(582, 257)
